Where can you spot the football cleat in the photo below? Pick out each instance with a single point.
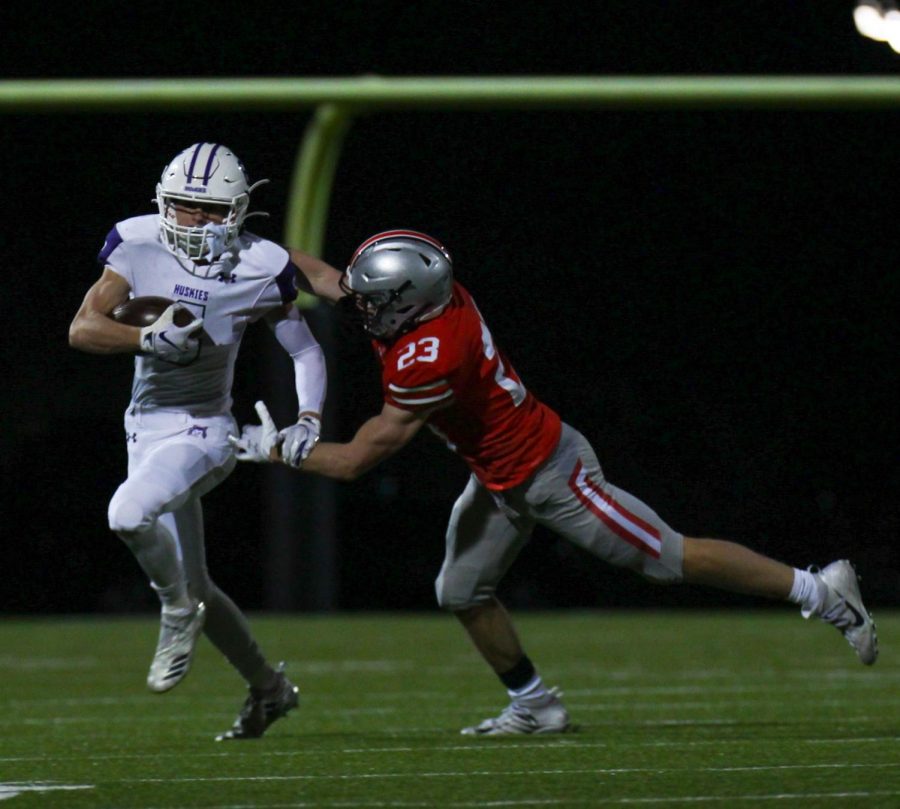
(843, 609)
(262, 708)
(517, 718)
(175, 648)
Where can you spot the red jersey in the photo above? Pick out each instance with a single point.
(484, 412)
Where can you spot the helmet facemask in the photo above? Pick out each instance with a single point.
(379, 312)
(205, 241)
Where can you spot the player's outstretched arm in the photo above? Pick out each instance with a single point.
(378, 438)
(323, 278)
(92, 330)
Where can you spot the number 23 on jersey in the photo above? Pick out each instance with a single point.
(426, 350)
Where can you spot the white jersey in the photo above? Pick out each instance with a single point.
(254, 277)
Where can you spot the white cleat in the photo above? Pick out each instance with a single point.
(843, 608)
(517, 719)
(175, 648)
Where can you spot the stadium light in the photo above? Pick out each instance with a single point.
(869, 20)
(892, 19)
(879, 21)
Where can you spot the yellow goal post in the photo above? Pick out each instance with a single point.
(336, 101)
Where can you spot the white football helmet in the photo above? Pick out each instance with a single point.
(399, 278)
(208, 173)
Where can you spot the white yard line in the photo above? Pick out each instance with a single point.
(505, 773)
(442, 697)
(686, 799)
(11, 663)
(476, 746)
(11, 789)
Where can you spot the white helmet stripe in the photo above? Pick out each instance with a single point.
(398, 234)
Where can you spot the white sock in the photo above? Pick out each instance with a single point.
(532, 693)
(174, 599)
(808, 591)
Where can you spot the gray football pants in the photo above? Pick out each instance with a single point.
(568, 495)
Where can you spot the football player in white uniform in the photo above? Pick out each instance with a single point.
(196, 253)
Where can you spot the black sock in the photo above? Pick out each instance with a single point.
(519, 675)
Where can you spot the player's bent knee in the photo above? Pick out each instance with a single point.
(455, 604)
(127, 517)
(666, 570)
(456, 591)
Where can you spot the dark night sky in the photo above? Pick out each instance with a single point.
(710, 296)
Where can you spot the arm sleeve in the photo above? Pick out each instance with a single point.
(310, 377)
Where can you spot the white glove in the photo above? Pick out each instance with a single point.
(298, 440)
(171, 343)
(257, 440)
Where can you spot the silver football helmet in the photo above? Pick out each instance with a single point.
(398, 279)
(211, 174)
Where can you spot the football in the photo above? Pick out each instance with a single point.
(146, 310)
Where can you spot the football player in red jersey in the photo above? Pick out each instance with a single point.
(441, 367)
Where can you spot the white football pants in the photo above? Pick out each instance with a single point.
(173, 460)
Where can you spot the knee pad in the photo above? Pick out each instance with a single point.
(457, 588)
(138, 502)
(128, 516)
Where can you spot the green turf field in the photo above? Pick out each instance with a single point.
(722, 709)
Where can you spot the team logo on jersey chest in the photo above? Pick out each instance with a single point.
(191, 294)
